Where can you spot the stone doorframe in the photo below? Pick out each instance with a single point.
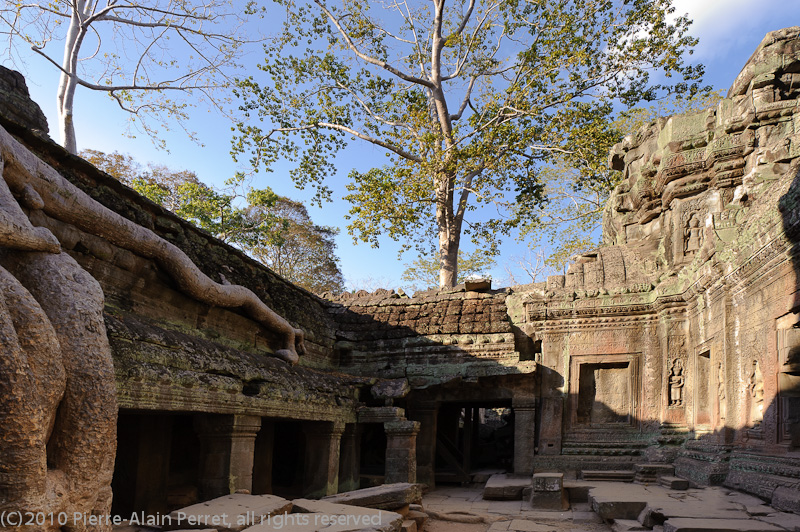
(626, 364)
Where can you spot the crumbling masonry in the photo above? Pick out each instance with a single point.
(676, 342)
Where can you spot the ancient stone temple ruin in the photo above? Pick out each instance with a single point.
(147, 366)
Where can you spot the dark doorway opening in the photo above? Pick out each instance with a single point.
(289, 449)
(373, 455)
(473, 437)
(156, 463)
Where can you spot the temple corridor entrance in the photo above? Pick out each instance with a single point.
(471, 437)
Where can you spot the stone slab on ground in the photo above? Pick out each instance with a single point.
(689, 524)
(652, 504)
(628, 525)
(785, 520)
(759, 510)
(385, 497)
(615, 500)
(361, 518)
(786, 499)
(522, 525)
(408, 525)
(611, 475)
(673, 483)
(229, 513)
(503, 487)
(290, 523)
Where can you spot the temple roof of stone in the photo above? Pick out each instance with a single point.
(690, 179)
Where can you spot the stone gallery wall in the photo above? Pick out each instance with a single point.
(103, 315)
(676, 341)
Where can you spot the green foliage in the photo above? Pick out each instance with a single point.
(219, 212)
(423, 272)
(302, 252)
(273, 229)
(471, 101)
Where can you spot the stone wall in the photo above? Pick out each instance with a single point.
(429, 339)
(673, 342)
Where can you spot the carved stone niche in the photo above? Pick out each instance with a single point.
(704, 390)
(789, 380)
(689, 233)
(604, 391)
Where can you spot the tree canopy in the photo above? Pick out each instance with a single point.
(147, 55)
(468, 99)
(272, 229)
(302, 252)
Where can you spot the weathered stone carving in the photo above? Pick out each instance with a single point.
(693, 235)
(676, 383)
(755, 387)
(723, 409)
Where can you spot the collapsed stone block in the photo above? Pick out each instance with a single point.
(548, 492)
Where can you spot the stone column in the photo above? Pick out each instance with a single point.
(227, 446)
(350, 458)
(426, 415)
(401, 451)
(524, 435)
(323, 441)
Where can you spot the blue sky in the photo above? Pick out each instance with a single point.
(729, 31)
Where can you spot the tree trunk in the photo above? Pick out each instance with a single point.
(68, 81)
(449, 228)
(448, 260)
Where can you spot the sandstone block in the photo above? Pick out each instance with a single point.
(548, 482)
(686, 524)
(231, 513)
(385, 497)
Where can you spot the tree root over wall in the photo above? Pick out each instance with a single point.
(58, 410)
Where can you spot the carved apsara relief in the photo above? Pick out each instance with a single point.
(677, 380)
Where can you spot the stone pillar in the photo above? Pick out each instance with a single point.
(426, 415)
(350, 458)
(262, 460)
(401, 451)
(524, 435)
(323, 441)
(227, 447)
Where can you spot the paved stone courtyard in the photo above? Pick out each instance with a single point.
(510, 515)
(626, 506)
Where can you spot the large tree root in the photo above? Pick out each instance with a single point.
(25, 173)
(81, 444)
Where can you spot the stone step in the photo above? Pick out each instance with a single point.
(409, 525)
(674, 483)
(687, 524)
(617, 475)
(646, 473)
(504, 487)
(420, 517)
(627, 525)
